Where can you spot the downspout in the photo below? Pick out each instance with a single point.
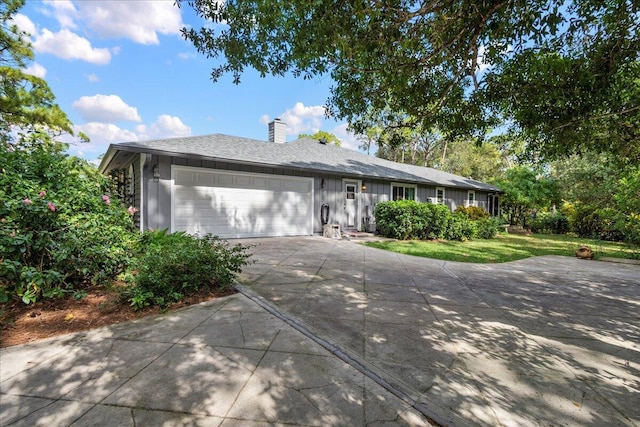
(145, 159)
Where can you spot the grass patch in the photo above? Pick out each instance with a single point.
(504, 248)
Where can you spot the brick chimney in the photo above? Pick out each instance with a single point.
(278, 131)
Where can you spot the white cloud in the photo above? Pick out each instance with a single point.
(101, 135)
(302, 119)
(140, 21)
(93, 78)
(481, 63)
(105, 108)
(265, 119)
(347, 139)
(310, 119)
(186, 55)
(64, 11)
(24, 23)
(106, 133)
(68, 45)
(165, 126)
(37, 70)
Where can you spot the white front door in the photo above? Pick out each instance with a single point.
(351, 197)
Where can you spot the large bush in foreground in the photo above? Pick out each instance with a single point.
(59, 229)
(170, 267)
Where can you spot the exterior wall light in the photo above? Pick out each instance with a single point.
(364, 187)
(156, 173)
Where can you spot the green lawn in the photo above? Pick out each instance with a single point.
(506, 247)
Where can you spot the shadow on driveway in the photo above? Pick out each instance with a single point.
(543, 341)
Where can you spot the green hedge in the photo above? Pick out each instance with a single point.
(408, 220)
(474, 213)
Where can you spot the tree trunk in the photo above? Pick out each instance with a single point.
(444, 151)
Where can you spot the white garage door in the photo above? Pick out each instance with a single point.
(236, 204)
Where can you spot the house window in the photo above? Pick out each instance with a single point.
(403, 192)
(471, 198)
(351, 191)
(440, 195)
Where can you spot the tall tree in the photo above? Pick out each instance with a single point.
(525, 190)
(26, 101)
(562, 73)
(590, 179)
(484, 163)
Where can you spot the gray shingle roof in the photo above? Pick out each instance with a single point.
(305, 153)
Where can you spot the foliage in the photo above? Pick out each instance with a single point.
(474, 213)
(627, 202)
(602, 197)
(481, 162)
(487, 228)
(590, 179)
(550, 224)
(415, 145)
(586, 222)
(394, 219)
(408, 219)
(430, 148)
(59, 229)
(461, 228)
(504, 248)
(26, 102)
(172, 266)
(525, 191)
(323, 135)
(596, 223)
(564, 75)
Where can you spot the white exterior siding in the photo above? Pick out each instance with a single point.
(240, 204)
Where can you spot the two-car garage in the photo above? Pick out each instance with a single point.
(234, 204)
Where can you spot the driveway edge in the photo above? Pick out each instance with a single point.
(350, 359)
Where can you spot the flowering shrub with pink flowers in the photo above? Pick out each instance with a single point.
(60, 230)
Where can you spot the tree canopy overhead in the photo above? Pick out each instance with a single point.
(565, 75)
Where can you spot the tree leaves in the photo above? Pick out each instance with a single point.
(561, 74)
(26, 101)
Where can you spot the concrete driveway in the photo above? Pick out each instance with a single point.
(544, 341)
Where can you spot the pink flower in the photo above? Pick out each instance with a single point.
(51, 207)
(27, 201)
(12, 234)
(106, 199)
(42, 194)
(132, 210)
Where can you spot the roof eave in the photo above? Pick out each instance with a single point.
(114, 148)
(106, 159)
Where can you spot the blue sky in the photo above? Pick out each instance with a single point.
(122, 72)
